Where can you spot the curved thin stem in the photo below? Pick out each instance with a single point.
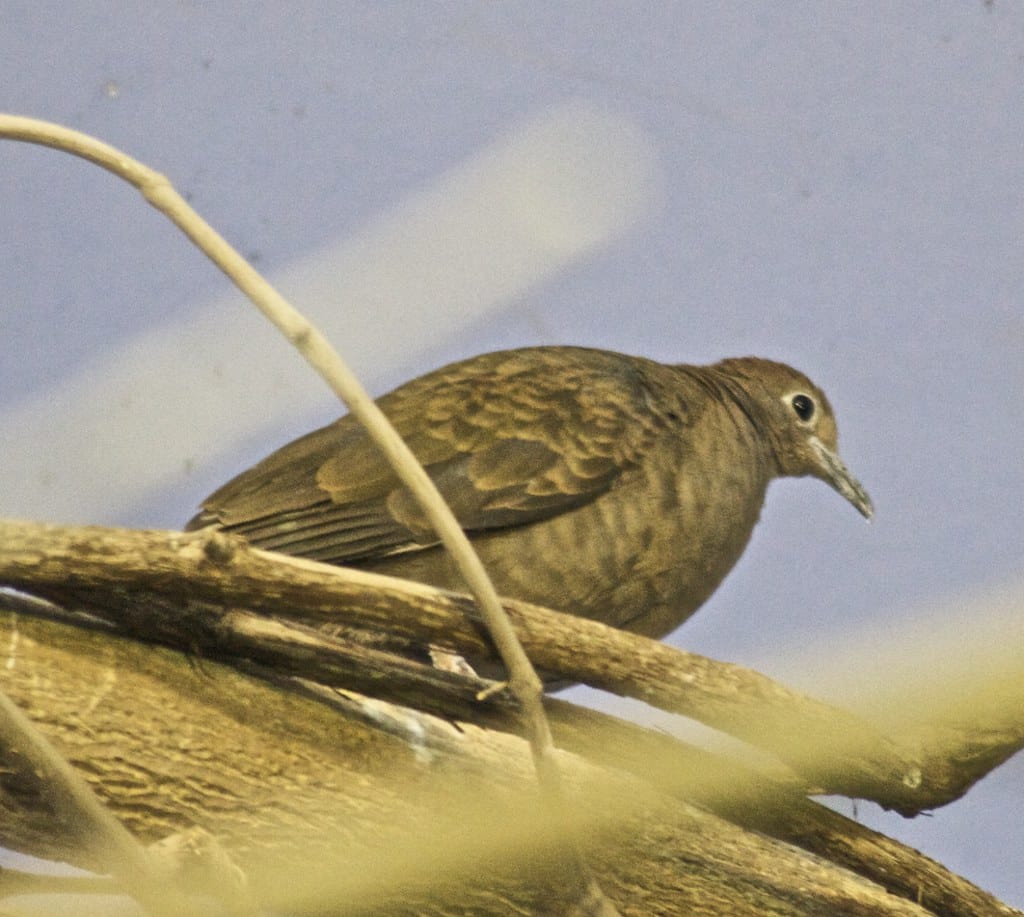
(317, 351)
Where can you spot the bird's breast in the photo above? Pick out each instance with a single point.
(644, 556)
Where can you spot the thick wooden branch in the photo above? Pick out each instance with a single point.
(367, 802)
(121, 571)
(87, 822)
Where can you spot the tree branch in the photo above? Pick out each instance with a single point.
(344, 798)
(226, 600)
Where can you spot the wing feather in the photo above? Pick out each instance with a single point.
(509, 438)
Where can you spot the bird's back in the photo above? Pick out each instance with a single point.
(510, 438)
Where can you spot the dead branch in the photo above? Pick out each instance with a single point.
(219, 590)
(337, 797)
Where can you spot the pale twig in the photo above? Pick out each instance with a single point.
(317, 351)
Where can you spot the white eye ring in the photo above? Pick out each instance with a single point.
(803, 406)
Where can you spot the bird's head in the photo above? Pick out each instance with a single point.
(799, 423)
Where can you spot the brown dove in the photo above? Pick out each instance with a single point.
(609, 486)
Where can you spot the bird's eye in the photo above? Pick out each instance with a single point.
(803, 405)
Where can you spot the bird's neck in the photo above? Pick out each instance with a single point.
(739, 414)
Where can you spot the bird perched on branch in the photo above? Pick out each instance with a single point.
(604, 485)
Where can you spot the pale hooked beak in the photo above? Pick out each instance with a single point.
(837, 475)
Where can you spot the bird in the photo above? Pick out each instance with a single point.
(608, 486)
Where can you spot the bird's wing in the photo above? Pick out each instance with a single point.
(508, 438)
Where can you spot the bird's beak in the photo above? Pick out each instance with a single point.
(838, 476)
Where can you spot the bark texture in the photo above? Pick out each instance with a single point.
(336, 802)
